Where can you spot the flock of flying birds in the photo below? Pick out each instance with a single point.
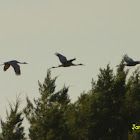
(64, 63)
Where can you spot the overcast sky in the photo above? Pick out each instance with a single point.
(96, 32)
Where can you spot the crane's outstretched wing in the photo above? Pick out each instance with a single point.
(128, 59)
(71, 60)
(6, 66)
(16, 68)
(62, 58)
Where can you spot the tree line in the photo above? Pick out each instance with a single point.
(110, 110)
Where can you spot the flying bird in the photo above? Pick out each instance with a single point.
(129, 61)
(65, 62)
(14, 64)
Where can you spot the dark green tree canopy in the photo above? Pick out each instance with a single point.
(12, 129)
(106, 112)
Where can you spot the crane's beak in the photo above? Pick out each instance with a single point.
(82, 64)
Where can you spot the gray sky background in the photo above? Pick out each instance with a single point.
(96, 32)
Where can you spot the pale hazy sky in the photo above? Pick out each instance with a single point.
(96, 32)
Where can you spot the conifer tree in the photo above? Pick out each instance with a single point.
(47, 114)
(106, 112)
(98, 114)
(12, 129)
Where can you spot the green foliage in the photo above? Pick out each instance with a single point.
(47, 117)
(106, 112)
(12, 129)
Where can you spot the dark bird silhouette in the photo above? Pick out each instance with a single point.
(65, 62)
(14, 64)
(129, 61)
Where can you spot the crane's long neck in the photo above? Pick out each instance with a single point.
(77, 64)
(58, 66)
(23, 63)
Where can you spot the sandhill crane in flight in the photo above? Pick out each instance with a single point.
(65, 62)
(14, 64)
(129, 61)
